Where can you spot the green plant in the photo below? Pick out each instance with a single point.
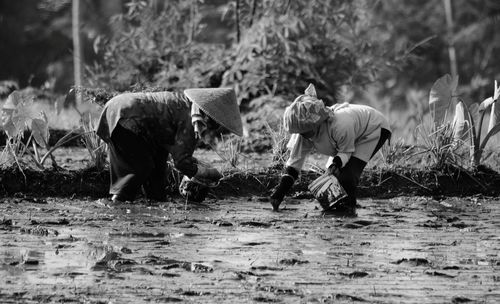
(397, 152)
(468, 119)
(279, 140)
(439, 143)
(13, 151)
(469, 123)
(174, 176)
(288, 44)
(93, 143)
(18, 117)
(87, 123)
(228, 149)
(156, 46)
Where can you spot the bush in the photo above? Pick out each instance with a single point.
(291, 44)
(280, 48)
(155, 47)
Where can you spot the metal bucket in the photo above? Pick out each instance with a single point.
(327, 190)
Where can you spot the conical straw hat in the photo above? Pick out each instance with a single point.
(220, 104)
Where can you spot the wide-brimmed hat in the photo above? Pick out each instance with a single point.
(220, 104)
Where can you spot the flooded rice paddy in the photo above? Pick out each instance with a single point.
(236, 250)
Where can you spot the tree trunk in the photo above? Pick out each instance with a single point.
(77, 51)
(237, 15)
(252, 13)
(193, 15)
(451, 48)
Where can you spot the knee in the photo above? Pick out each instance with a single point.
(348, 179)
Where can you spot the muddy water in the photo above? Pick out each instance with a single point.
(404, 250)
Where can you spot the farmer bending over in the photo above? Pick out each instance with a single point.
(350, 134)
(142, 129)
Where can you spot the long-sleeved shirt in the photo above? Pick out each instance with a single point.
(350, 132)
(163, 119)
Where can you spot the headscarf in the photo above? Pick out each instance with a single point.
(305, 113)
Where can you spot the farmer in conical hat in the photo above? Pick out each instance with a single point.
(142, 129)
(350, 134)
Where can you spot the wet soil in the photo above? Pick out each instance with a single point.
(420, 237)
(237, 250)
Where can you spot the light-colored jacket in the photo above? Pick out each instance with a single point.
(354, 130)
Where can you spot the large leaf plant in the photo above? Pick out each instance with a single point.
(17, 117)
(469, 118)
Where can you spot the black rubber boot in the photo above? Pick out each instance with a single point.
(346, 207)
(286, 182)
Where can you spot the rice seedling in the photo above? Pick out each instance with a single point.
(396, 153)
(93, 143)
(440, 145)
(279, 140)
(16, 117)
(12, 153)
(174, 177)
(229, 150)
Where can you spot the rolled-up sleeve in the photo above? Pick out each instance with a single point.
(183, 149)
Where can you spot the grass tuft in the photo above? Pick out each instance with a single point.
(279, 141)
(441, 146)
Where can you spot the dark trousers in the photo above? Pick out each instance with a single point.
(134, 164)
(351, 172)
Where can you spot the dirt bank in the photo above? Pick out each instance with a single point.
(375, 182)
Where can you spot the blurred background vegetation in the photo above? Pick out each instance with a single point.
(384, 53)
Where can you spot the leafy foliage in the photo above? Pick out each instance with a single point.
(17, 117)
(468, 118)
(20, 121)
(474, 38)
(397, 153)
(441, 97)
(469, 122)
(291, 44)
(92, 142)
(155, 47)
(283, 46)
(439, 144)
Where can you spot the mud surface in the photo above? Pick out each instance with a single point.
(236, 250)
